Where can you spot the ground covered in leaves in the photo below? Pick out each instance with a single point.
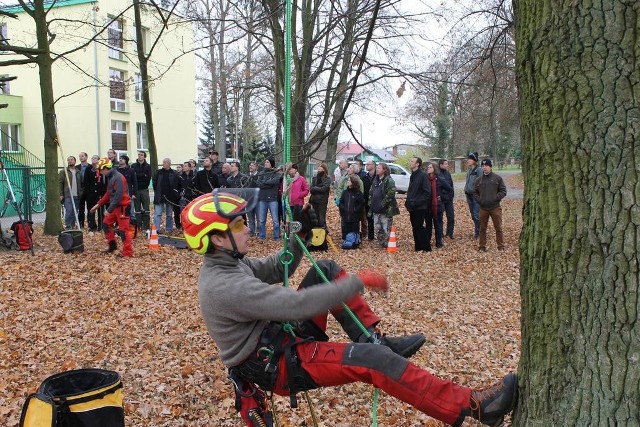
(140, 317)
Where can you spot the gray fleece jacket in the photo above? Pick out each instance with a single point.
(237, 299)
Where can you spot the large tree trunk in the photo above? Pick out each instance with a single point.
(579, 88)
(53, 219)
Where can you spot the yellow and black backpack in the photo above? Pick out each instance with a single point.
(79, 398)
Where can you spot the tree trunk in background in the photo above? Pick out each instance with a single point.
(221, 138)
(143, 61)
(53, 219)
(247, 81)
(579, 89)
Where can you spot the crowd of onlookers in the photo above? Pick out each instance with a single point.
(364, 193)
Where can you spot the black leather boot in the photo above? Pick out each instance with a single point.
(405, 346)
(112, 246)
(490, 405)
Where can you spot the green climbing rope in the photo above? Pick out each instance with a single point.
(286, 257)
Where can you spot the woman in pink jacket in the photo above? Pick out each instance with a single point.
(297, 189)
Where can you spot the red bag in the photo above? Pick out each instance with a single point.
(20, 232)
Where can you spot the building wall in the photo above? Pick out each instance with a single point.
(84, 114)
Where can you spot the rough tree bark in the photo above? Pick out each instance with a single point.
(52, 221)
(579, 88)
(146, 97)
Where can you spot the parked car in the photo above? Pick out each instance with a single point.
(399, 174)
(401, 177)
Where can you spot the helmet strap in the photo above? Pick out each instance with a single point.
(234, 253)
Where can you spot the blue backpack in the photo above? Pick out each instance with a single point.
(351, 241)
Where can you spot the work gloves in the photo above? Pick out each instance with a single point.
(373, 281)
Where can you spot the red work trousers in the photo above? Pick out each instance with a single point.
(330, 364)
(118, 216)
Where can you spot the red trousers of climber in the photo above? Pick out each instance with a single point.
(330, 364)
(118, 217)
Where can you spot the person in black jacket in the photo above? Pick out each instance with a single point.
(438, 188)
(351, 206)
(319, 189)
(186, 176)
(236, 179)
(418, 204)
(367, 181)
(269, 184)
(142, 201)
(91, 191)
(216, 165)
(447, 198)
(252, 215)
(166, 194)
(205, 180)
(186, 184)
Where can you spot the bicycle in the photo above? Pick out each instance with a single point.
(39, 202)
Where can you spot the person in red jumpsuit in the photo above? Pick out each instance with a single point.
(117, 199)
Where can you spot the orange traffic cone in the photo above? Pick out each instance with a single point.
(391, 246)
(154, 245)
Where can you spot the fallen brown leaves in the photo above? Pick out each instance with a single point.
(140, 317)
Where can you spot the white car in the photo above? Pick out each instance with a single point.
(399, 174)
(401, 177)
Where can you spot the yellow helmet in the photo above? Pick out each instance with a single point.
(104, 163)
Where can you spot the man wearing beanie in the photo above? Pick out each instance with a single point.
(269, 184)
(473, 173)
(489, 189)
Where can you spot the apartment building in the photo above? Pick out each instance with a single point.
(98, 87)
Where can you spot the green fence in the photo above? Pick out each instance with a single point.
(28, 184)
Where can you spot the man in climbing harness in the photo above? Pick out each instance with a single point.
(273, 336)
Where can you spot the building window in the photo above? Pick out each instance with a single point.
(117, 90)
(144, 39)
(119, 135)
(141, 136)
(10, 137)
(115, 39)
(138, 86)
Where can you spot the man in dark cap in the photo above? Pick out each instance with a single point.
(488, 190)
(473, 173)
(216, 165)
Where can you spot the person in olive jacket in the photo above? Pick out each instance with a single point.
(488, 190)
(319, 190)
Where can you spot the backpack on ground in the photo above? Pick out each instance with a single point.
(79, 398)
(351, 241)
(8, 241)
(318, 239)
(20, 232)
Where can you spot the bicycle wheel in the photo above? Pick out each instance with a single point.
(38, 204)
